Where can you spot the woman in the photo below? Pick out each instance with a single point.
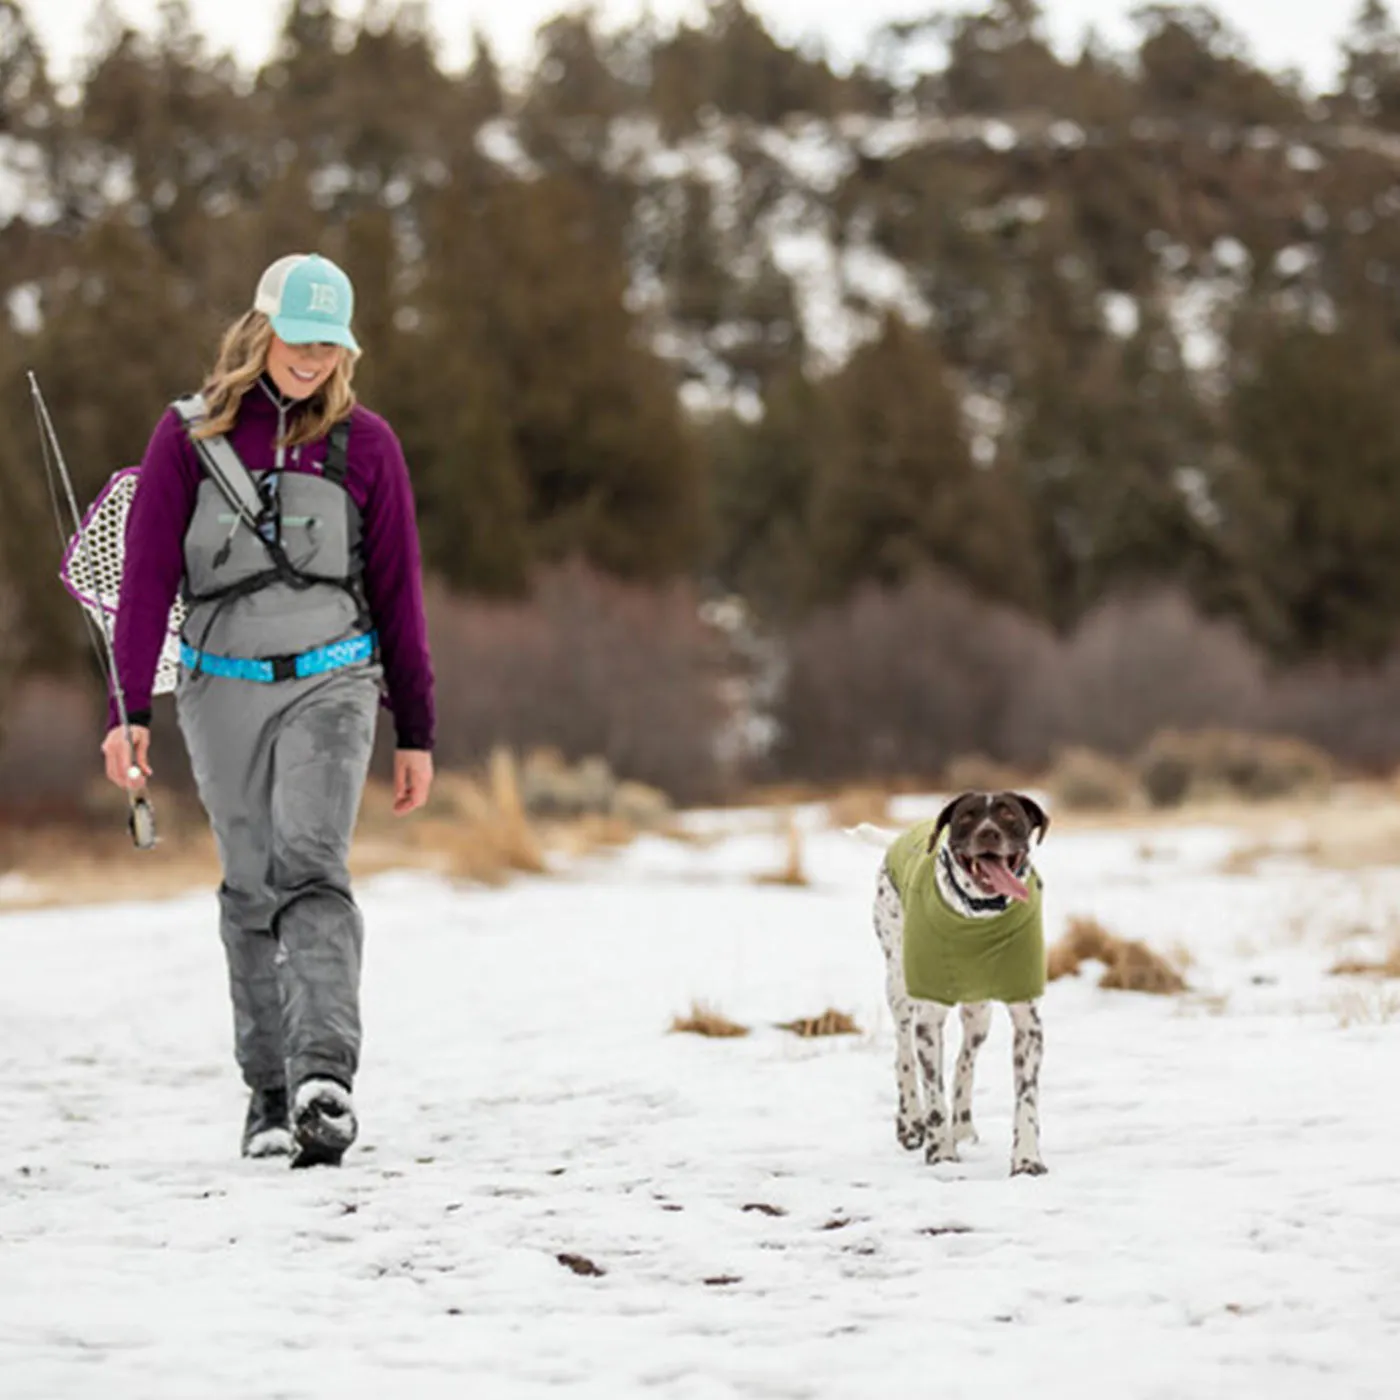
(297, 552)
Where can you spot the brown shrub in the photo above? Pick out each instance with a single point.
(1129, 966)
(551, 787)
(975, 772)
(49, 756)
(705, 1020)
(1352, 714)
(894, 684)
(830, 1022)
(1137, 665)
(1211, 763)
(591, 668)
(904, 683)
(1084, 781)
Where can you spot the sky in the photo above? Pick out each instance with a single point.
(1282, 34)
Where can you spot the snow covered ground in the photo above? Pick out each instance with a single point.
(1221, 1218)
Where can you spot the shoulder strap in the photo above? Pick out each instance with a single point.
(224, 465)
(337, 452)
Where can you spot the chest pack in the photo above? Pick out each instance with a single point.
(279, 533)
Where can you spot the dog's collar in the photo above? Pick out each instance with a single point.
(974, 904)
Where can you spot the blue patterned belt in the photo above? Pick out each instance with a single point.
(281, 668)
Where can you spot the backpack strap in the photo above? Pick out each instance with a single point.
(223, 465)
(337, 452)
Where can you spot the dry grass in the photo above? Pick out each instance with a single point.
(794, 871)
(705, 1020)
(975, 772)
(587, 834)
(1082, 780)
(1366, 1006)
(1355, 827)
(1245, 860)
(474, 827)
(1180, 957)
(1388, 966)
(830, 1022)
(1129, 966)
(1209, 762)
(851, 806)
(94, 862)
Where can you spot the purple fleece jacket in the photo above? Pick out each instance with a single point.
(377, 480)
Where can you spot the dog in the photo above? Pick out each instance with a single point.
(957, 913)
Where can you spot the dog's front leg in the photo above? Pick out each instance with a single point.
(889, 929)
(929, 1016)
(976, 1021)
(1027, 1050)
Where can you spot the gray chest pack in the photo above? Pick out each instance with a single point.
(273, 566)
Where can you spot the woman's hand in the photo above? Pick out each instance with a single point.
(127, 769)
(413, 776)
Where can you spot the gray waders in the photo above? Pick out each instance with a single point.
(280, 770)
(281, 763)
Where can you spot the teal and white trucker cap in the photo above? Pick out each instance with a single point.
(308, 299)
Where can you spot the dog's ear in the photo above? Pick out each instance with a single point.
(1035, 813)
(946, 816)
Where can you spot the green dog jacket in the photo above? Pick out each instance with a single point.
(951, 958)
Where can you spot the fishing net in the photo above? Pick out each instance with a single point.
(92, 570)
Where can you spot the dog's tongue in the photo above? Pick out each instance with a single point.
(1000, 877)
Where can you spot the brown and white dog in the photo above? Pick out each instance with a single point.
(979, 872)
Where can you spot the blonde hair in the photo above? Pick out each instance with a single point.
(241, 361)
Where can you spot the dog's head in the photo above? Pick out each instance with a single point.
(989, 835)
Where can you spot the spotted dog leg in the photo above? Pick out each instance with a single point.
(1027, 1050)
(889, 929)
(929, 1016)
(976, 1021)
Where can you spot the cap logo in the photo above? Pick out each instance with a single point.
(324, 298)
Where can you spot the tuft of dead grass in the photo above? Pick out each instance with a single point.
(1388, 966)
(1081, 780)
(1366, 1006)
(1176, 765)
(473, 828)
(705, 1020)
(830, 1022)
(1246, 859)
(793, 871)
(975, 772)
(854, 805)
(1129, 966)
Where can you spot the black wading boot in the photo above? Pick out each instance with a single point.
(267, 1130)
(323, 1123)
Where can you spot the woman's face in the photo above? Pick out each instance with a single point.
(299, 371)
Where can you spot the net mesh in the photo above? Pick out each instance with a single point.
(92, 570)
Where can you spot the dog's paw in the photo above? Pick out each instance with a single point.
(910, 1132)
(965, 1132)
(1029, 1166)
(940, 1151)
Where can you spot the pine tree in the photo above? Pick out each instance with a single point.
(1312, 417)
(897, 489)
(1370, 86)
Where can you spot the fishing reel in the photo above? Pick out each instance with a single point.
(140, 815)
(141, 822)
